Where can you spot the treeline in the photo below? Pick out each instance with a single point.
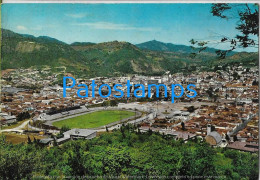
(126, 152)
(56, 111)
(23, 115)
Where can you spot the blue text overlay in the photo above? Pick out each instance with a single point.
(118, 88)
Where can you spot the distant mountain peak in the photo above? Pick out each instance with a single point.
(155, 45)
(114, 58)
(155, 41)
(40, 39)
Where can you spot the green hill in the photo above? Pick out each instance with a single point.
(104, 59)
(120, 58)
(24, 51)
(169, 47)
(84, 59)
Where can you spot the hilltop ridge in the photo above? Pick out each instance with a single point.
(113, 58)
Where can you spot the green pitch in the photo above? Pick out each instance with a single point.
(95, 119)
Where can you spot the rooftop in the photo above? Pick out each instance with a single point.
(79, 132)
(244, 146)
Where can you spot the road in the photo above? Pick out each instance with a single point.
(18, 128)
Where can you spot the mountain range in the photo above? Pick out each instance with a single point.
(169, 47)
(86, 59)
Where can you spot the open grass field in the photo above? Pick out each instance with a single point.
(17, 138)
(95, 119)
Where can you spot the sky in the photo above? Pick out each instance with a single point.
(134, 23)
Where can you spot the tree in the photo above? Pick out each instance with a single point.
(113, 103)
(122, 129)
(210, 92)
(138, 131)
(247, 26)
(149, 132)
(23, 115)
(105, 104)
(29, 141)
(182, 126)
(227, 137)
(235, 138)
(191, 109)
(138, 155)
(35, 141)
(63, 129)
(255, 83)
(236, 76)
(55, 142)
(115, 161)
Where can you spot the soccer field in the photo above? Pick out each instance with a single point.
(95, 119)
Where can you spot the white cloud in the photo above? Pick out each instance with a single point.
(77, 15)
(37, 28)
(21, 28)
(113, 26)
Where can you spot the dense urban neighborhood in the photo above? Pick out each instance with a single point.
(224, 112)
(218, 126)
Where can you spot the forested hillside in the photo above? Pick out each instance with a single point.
(126, 153)
(108, 58)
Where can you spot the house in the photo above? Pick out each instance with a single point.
(244, 146)
(62, 140)
(175, 134)
(214, 138)
(68, 135)
(181, 135)
(47, 142)
(7, 119)
(80, 133)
